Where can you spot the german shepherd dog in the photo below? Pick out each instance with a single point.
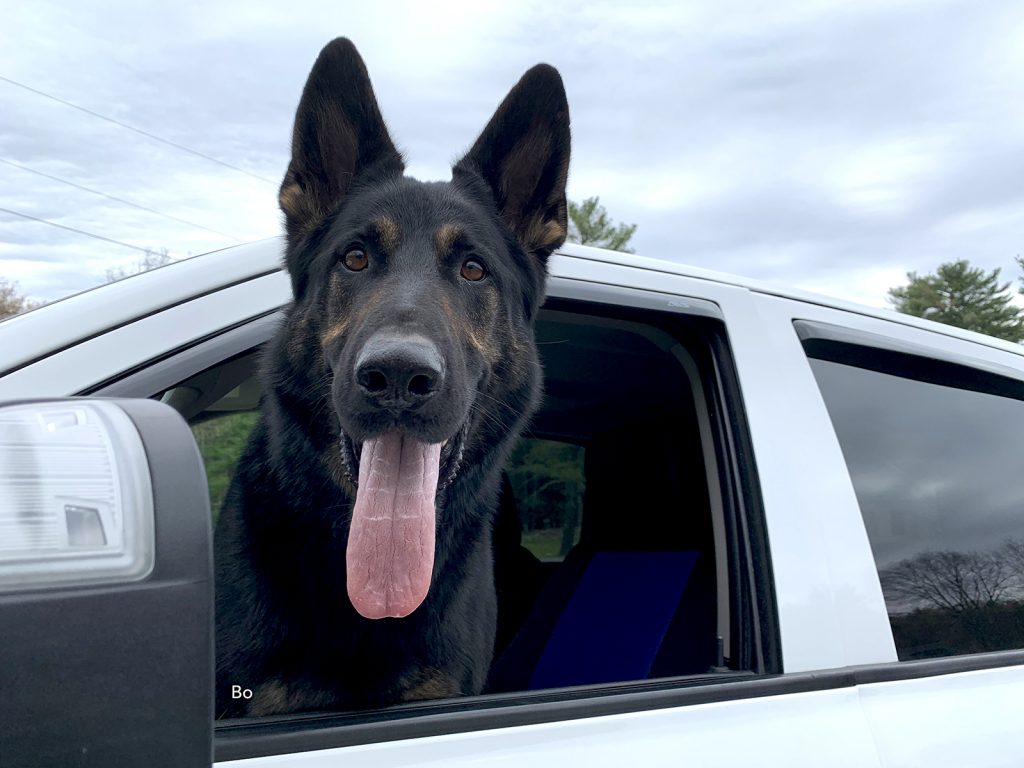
(354, 551)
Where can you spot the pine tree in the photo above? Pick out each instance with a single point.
(589, 225)
(966, 297)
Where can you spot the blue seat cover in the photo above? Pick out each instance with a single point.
(613, 624)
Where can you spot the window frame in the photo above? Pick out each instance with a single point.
(753, 610)
(920, 362)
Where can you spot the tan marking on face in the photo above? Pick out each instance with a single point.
(333, 332)
(337, 306)
(488, 347)
(489, 352)
(464, 328)
(445, 238)
(387, 230)
(446, 307)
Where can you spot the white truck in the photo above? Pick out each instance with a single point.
(747, 527)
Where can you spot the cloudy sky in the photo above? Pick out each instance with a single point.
(828, 145)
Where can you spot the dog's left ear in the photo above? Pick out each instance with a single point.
(523, 158)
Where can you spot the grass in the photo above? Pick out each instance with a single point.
(221, 441)
(546, 543)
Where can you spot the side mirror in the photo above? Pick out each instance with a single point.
(106, 586)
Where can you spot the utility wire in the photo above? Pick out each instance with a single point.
(117, 199)
(141, 132)
(72, 229)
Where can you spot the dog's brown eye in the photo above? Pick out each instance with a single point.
(356, 260)
(473, 270)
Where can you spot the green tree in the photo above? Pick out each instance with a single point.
(589, 225)
(964, 296)
(12, 301)
(548, 481)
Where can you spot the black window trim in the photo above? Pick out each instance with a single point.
(753, 606)
(749, 557)
(882, 354)
(153, 375)
(750, 560)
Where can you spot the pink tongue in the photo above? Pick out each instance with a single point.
(391, 541)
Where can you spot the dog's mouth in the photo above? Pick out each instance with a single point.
(450, 464)
(389, 560)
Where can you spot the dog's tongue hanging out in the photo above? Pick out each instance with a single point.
(390, 554)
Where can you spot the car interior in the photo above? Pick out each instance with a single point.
(610, 540)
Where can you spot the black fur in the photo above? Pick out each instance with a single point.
(286, 629)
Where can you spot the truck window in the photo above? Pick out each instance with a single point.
(619, 487)
(934, 454)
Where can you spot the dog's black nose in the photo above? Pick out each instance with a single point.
(399, 371)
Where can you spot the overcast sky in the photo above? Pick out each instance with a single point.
(825, 145)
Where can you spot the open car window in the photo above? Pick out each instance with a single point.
(622, 539)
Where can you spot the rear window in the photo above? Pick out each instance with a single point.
(934, 453)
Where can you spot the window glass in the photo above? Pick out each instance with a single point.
(604, 499)
(939, 475)
(547, 481)
(221, 439)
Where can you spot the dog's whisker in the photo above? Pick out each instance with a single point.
(493, 419)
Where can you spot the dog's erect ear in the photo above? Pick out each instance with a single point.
(523, 157)
(339, 135)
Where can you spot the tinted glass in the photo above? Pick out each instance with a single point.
(547, 480)
(939, 475)
(221, 440)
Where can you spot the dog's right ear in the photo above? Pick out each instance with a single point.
(339, 135)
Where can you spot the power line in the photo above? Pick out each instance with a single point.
(72, 229)
(117, 199)
(139, 131)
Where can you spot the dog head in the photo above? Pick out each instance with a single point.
(420, 298)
